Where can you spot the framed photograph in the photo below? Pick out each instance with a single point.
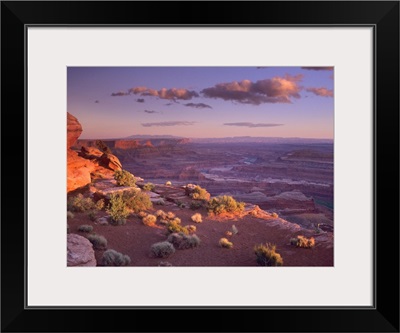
(242, 162)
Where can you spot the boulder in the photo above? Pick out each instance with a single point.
(110, 161)
(90, 152)
(79, 251)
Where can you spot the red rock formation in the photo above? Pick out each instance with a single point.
(74, 130)
(78, 168)
(110, 161)
(126, 144)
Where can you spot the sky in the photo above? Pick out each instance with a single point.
(202, 102)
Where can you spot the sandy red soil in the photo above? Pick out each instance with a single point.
(135, 239)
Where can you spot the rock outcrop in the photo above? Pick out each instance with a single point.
(74, 130)
(78, 168)
(110, 161)
(79, 251)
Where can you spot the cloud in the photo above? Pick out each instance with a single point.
(170, 123)
(321, 68)
(97, 101)
(324, 92)
(120, 93)
(140, 100)
(171, 94)
(151, 111)
(198, 105)
(275, 90)
(246, 124)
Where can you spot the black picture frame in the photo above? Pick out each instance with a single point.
(383, 16)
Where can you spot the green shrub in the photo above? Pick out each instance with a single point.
(137, 200)
(149, 187)
(267, 255)
(164, 221)
(175, 226)
(80, 204)
(274, 215)
(196, 205)
(223, 242)
(117, 209)
(114, 258)
(183, 241)
(199, 193)
(149, 220)
(92, 215)
(124, 178)
(168, 183)
(197, 218)
(225, 204)
(99, 242)
(85, 228)
(162, 249)
(99, 204)
(301, 241)
(70, 215)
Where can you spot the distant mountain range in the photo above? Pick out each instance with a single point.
(235, 139)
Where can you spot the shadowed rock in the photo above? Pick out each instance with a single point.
(79, 251)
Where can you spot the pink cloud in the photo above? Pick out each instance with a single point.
(274, 90)
(324, 92)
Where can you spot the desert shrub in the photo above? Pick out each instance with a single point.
(114, 258)
(164, 221)
(141, 214)
(149, 187)
(80, 204)
(162, 249)
(160, 202)
(92, 215)
(191, 228)
(137, 200)
(301, 241)
(170, 215)
(99, 242)
(274, 215)
(117, 209)
(180, 204)
(149, 220)
(267, 255)
(161, 214)
(164, 263)
(124, 178)
(225, 204)
(234, 230)
(85, 228)
(197, 218)
(199, 193)
(168, 183)
(70, 215)
(182, 241)
(99, 204)
(223, 242)
(196, 205)
(175, 226)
